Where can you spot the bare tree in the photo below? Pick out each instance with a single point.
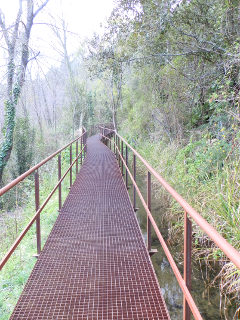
(74, 87)
(17, 44)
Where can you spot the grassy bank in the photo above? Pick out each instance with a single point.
(206, 173)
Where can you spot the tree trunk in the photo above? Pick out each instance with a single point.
(7, 144)
(114, 118)
(16, 42)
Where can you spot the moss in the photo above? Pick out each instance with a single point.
(8, 129)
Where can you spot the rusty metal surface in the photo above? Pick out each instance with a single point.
(188, 299)
(94, 264)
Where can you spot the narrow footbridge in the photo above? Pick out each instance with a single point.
(95, 264)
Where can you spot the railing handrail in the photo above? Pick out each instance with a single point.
(184, 281)
(227, 248)
(20, 178)
(175, 269)
(58, 185)
(33, 219)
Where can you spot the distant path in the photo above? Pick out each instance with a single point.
(94, 264)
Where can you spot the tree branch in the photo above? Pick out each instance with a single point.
(178, 54)
(34, 57)
(201, 41)
(40, 8)
(16, 26)
(54, 26)
(4, 29)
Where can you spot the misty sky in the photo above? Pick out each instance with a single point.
(83, 18)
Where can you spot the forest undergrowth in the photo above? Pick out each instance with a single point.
(206, 173)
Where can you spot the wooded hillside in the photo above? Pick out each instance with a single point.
(167, 75)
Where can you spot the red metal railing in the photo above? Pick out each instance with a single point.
(82, 140)
(185, 281)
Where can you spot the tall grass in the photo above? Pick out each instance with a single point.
(207, 174)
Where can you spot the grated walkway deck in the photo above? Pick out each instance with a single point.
(94, 264)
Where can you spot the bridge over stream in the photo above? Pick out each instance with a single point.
(95, 264)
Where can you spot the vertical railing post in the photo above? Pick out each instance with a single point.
(119, 158)
(70, 165)
(134, 177)
(60, 184)
(117, 147)
(76, 157)
(122, 157)
(81, 149)
(126, 151)
(85, 143)
(187, 262)
(149, 227)
(114, 145)
(37, 202)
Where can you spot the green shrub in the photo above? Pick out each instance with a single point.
(24, 137)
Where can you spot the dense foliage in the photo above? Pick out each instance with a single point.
(24, 144)
(174, 74)
(166, 74)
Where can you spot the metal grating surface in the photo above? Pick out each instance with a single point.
(94, 264)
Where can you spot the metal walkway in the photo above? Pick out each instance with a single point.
(94, 264)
